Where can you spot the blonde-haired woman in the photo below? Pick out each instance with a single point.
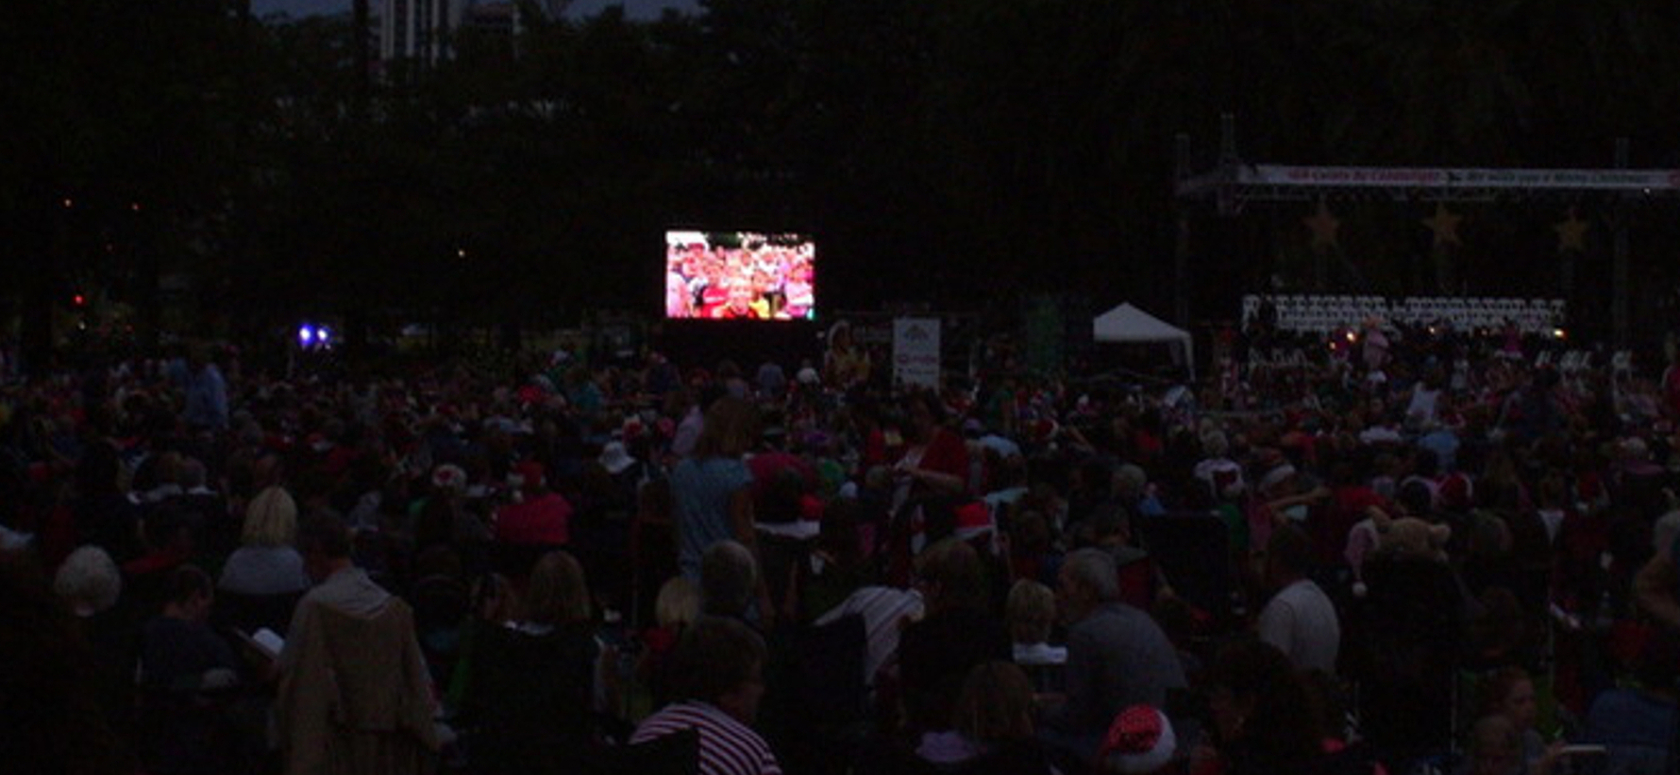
(267, 563)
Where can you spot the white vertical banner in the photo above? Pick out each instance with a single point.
(916, 352)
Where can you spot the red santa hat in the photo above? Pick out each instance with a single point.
(449, 477)
(1140, 740)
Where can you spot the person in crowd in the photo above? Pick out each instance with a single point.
(1117, 655)
(712, 491)
(267, 563)
(1495, 748)
(740, 304)
(1109, 527)
(206, 393)
(168, 545)
(1299, 620)
(1657, 585)
(935, 458)
(1030, 612)
(992, 726)
(50, 716)
(1217, 471)
(674, 610)
(104, 516)
(957, 632)
(89, 584)
(1262, 722)
(845, 363)
(1510, 692)
(729, 579)
(785, 511)
(1637, 724)
(717, 675)
(351, 647)
(1537, 479)
(183, 664)
(836, 566)
(539, 516)
(531, 686)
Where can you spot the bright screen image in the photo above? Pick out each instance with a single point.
(739, 275)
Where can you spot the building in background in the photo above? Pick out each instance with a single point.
(418, 29)
(424, 30)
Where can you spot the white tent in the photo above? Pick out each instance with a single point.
(1127, 323)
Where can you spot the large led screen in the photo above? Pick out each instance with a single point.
(739, 275)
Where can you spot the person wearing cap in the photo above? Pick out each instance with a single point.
(616, 459)
(1278, 501)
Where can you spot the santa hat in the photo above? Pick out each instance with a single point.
(1456, 492)
(449, 477)
(1140, 740)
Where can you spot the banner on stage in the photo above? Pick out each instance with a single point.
(1426, 177)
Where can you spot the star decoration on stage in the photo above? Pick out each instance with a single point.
(1324, 227)
(1572, 233)
(1445, 225)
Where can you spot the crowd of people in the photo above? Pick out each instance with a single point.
(763, 277)
(1402, 550)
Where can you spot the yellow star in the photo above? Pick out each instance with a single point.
(1323, 226)
(1572, 234)
(1445, 225)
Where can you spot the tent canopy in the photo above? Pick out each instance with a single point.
(1127, 323)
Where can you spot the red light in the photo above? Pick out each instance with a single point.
(78, 300)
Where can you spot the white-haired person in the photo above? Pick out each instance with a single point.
(266, 563)
(89, 584)
(1117, 656)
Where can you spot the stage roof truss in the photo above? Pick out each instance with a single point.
(1235, 184)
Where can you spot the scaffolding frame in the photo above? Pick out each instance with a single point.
(1233, 184)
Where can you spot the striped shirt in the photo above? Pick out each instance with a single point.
(727, 747)
(884, 610)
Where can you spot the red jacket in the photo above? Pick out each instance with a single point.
(544, 519)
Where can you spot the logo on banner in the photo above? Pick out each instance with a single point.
(916, 352)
